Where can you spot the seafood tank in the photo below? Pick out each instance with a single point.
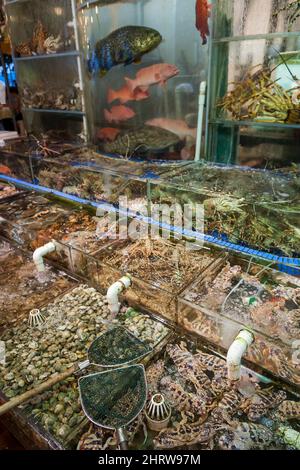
(23, 288)
(142, 76)
(254, 106)
(160, 270)
(45, 44)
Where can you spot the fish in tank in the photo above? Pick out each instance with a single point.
(144, 63)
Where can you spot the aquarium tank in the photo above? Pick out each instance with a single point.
(254, 96)
(45, 45)
(144, 61)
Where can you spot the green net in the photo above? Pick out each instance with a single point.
(114, 398)
(117, 347)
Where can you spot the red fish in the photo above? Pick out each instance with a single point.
(5, 170)
(158, 73)
(202, 15)
(118, 114)
(108, 133)
(124, 94)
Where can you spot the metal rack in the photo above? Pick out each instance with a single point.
(20, 62)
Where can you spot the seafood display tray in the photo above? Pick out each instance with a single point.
(250, 295)
(94, 184)
(207, 412)
(22, 288)
(13, 192)
(22, 218)
(255, 208)
(160, 271)
(80, 311)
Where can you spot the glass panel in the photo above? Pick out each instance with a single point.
(257, 146)
(161, 270)
(254, 83)
(90, 157)
(22, 288)
(50, 84)
(93, 183)
(22, 218)
(253, 208)
(16, 166)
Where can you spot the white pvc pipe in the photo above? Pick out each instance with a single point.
(235, 353)
(38, 255)
(202, 95)
(114, 291)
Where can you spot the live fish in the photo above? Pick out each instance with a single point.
(143, 140)
(123, 46)
(202, 15)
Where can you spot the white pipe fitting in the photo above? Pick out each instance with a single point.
(235, 353)
(115, 290)
(38, 255)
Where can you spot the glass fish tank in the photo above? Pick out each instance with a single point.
(254, 100)
(47, 27)
(143, 68)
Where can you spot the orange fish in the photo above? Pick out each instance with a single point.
(124, 94)
(118, 114)
(5, 170)
(176, 126)
(202, 15)
(108, 133)
(158, 73)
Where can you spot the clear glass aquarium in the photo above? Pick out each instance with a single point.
(16, 166)
(47, 27)
(149, 107)
(250, 295)
(254, 99)
(31, 289)
(48, 66)
(24, 217)
(56, 125)
(249, 207)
